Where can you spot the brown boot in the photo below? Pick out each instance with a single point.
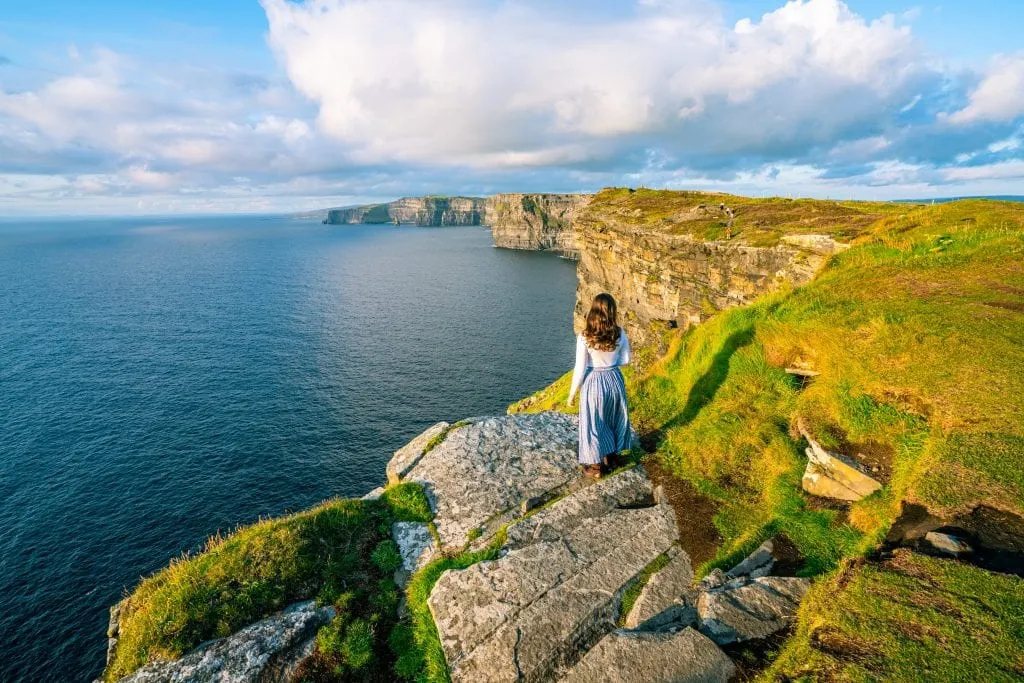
(592, 471)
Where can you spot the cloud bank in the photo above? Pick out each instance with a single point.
(385, 97)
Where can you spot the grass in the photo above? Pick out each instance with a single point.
(632, 593)
(758, 222)
(339, 553)
(917, 332)
(911, 618)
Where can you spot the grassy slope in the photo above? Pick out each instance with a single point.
(339, 553)
(918, 333)
(758, 222)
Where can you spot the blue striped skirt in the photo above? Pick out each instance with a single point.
(604, 415)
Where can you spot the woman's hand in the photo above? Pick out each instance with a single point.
(569, 401)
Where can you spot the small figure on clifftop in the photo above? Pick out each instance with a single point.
(601, 350)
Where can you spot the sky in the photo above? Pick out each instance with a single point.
(127, 107)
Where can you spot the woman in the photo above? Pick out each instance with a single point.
(604, 415)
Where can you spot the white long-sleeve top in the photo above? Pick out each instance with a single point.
(587, 357)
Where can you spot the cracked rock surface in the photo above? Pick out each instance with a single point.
(264, 651)
(492, 465)
(557, 590)
(644, 657)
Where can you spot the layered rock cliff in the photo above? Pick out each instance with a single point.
(543, 222)
(422, 211)
(672, 259)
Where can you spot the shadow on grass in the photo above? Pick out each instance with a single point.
(703, 390)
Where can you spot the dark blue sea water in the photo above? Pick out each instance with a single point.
(161, 380)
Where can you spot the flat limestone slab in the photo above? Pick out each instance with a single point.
(530, 614)
(493, 465)
(643, 657)
(754, 609)
(667, 597)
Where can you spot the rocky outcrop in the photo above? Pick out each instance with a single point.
(265, 651)
(548, 607)
(422, 211)
(488, 468)
(539, 222)
(663, 278)
(558, 587)
(644, 657)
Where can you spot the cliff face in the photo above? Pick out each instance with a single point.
(543, 222)
(669, 261)
(422, 211)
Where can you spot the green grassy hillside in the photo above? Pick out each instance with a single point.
(917, 332)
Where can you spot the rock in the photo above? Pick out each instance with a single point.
(714, 579)
(422, 211)
(758, 563)
(666, 277)
(416, 545)
(374, 494)
(488, 468)
(831, 475)
(754, 609)
(644, 657)
(947, 543)
(539, 222)
(260, 652)
(558, 588)
(408, 456)
(667, 598)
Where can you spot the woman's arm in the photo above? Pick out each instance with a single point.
(581, 367)
(624, 352)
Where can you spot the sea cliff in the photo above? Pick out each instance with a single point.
(541, 222)
(422, 211)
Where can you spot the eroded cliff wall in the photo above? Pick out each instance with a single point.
(542, 222)
(422, 211)
(675, 259)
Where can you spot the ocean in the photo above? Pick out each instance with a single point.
(165, 379)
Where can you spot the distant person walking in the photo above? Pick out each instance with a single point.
(601, 350)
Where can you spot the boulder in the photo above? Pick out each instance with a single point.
(263, 651)
(557, 590)
(406, 457)
(750, 609)
(667, 598)
(416, 545)
(947, 543)
(643, 657)
(758, 563)
(831, 475)
(488, 468)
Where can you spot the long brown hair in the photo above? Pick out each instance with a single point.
(602, 331)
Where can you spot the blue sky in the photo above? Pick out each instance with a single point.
(129, 107)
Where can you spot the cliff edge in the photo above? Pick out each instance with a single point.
(421, 211)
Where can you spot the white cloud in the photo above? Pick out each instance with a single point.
(455, 81)
(999, 96)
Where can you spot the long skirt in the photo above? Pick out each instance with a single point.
(604, 415)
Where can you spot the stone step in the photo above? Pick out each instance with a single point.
(644, 657)
(557, 590)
